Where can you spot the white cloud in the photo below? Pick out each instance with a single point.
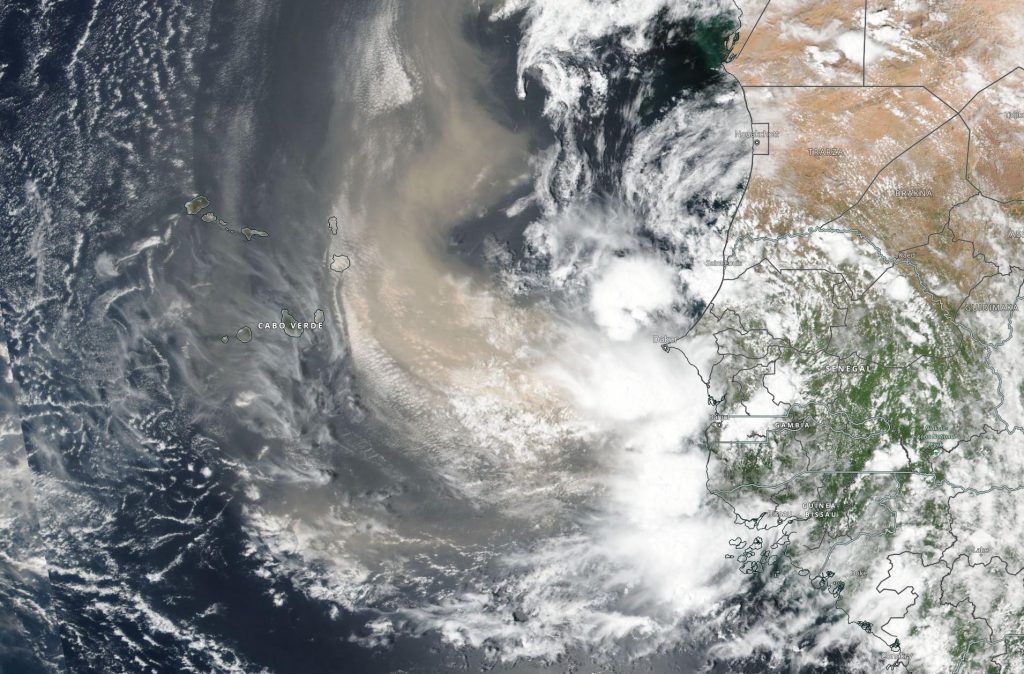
(629, 292)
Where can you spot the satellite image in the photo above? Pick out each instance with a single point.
(512, 336)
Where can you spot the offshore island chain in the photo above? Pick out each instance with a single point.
(274, 325)
(291, 326)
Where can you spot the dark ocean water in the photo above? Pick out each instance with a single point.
(29, 638)
(112, 115)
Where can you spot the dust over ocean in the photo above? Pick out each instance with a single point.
(473, 453)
